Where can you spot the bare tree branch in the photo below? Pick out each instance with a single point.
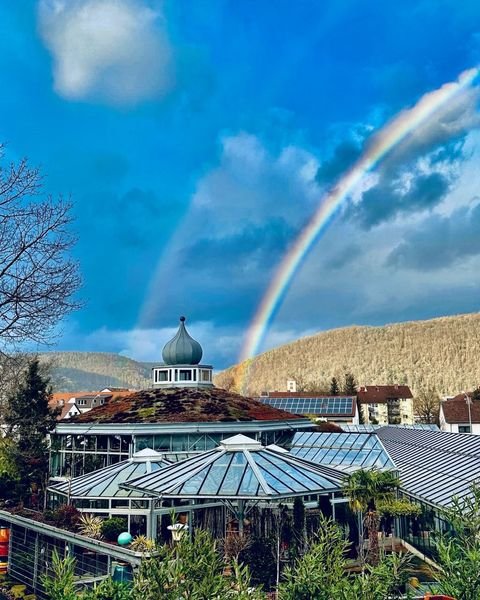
(38, 278)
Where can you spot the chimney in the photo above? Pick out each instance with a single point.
(291, 385)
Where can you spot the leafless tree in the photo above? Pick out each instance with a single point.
(37, 277)
(427, 406)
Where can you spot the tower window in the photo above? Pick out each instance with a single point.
(185, 375)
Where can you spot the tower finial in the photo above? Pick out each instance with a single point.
(182, 349)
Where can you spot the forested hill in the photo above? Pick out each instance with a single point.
(91, 371)
(443, 353)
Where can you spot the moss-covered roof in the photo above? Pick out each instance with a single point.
(182, 405)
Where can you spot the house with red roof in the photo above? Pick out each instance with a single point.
(461, 414)
(386, 404)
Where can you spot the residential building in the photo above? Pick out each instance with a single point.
(75, 403)
(386, 404)
(460, 414)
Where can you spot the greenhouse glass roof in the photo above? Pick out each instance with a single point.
(104, 483)
(434, 466)
(345, 451)
(239, 468)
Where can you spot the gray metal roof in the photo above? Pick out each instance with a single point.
(104, 483)
(362, 428)
(434, 465)
(239, 468)
(346, 451)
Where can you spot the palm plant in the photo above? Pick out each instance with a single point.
(91, 526)
(366, 488)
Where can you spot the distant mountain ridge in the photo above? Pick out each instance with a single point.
(74, 371)
(443, 353)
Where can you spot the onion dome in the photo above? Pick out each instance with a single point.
(182, 349)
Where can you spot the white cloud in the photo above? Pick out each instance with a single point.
(116, 51)
(147, 344)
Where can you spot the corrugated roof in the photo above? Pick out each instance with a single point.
(346, 451)
(433, 465)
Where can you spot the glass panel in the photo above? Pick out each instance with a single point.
(249, 485)
(162, 442)
(192, 486)
(234, 475)
(141, 442)
(114, 441)
(102, 443)
(216, 474)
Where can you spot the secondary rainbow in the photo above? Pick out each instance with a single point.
(396, 130)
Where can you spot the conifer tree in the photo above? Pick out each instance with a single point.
(29, 419)
(350, 385)
(334, 389)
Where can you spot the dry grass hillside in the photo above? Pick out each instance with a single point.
(443, 353)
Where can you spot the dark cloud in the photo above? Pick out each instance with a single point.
(344, 156)
(385, 200)
(439, 242)
(343, 257)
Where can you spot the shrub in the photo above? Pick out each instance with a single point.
(66, 517)
(113, 527)
(90, 526)
(142, 543)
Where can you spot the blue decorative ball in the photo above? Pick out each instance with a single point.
(124, 538)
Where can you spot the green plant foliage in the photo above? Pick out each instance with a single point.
(61, 585)
(90, 525)
(29, 419)
(459, 549)
(365, 488)
(142, 543)
(321, 574)
(399, 507)
(192, 569)
(108, 590)
(113, 527)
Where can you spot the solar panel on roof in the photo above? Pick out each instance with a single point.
(327, 406)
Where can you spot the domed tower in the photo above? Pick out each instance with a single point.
(182, 368)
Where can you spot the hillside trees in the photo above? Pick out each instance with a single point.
(37, 277)
(423, 355)
(334, 389)
(350, 385)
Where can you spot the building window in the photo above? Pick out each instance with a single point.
(205, 375)
(464, 429)
(185, 375)
(162, 375)
(81, 402)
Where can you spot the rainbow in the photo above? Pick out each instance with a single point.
(380, 144)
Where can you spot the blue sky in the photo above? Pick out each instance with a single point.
(196, 139)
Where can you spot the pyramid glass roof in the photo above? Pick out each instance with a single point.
(239, 468)
(104, 483)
